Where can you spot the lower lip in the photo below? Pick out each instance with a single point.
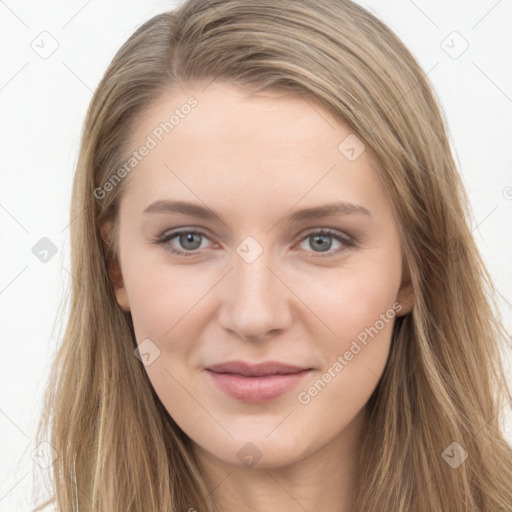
(256, 389)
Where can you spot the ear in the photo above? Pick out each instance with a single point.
(405, 295)
(114, 268)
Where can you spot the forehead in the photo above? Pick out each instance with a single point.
(225, 112)
(226, 136)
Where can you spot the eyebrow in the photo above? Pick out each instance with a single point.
(195, 210)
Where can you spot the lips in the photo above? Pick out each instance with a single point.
(256, 383)
(256, 370)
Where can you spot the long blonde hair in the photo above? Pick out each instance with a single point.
(118, 448)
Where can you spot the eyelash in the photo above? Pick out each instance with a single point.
(347, 241)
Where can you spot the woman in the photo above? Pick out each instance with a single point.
(265, 368)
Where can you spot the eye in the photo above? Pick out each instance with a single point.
(322, 240)
(190, 241)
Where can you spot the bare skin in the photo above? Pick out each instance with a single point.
(304, 299)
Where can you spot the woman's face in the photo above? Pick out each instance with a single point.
(251, 277)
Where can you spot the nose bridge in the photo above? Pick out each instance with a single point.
(252, 276)
(254, 284)
(254, 302)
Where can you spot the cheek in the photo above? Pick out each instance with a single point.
(359, 308)
(362, 305)
(166, 309)
(351, 300)
(354, 357)
(163, 299)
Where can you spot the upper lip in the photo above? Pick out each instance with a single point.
(252, 370)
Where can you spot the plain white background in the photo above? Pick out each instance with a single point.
(464, 46)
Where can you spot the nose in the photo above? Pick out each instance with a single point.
(256, 301)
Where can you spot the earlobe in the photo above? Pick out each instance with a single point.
(114, 270)
(406, 300)
(122, 298)
(117, 281)
(405, 295)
